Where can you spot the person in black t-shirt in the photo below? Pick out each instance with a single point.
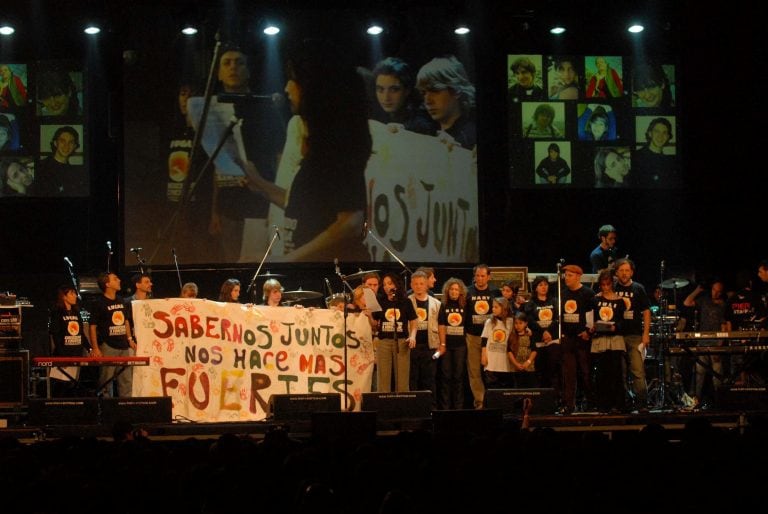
(68, 339)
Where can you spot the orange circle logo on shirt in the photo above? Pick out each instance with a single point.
(73, 328)
(118, 318)
(545, 315)
(499, 336)
(606, 313)
(421, 313)
(570, 306)
(392, 314)
(481, 307)
(454, 319)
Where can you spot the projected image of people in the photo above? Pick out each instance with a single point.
(526, 85)
(564, 76)
(553, 169)
(596, 123)
(604, 77)
(397, 99)
(449, 98)
(544, 122)
(655, 164)
(13, 88)
(57, 174)
(57, 92)
(612, 167)
(9, 134)
(651, 86)
(16, 177)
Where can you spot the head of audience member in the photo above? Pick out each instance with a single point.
(272, 293)
(64, 143)
(448, 93)
(15, 176)
(189, 290)
(454, 289)
(650, 85)
(57, 93)
(230, 291)
(762, 270)
(393, 83)
(659, 134)
(525, 72)
(233, 70)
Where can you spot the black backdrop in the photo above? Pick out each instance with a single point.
(712, 225)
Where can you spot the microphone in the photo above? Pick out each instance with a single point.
(662, 265)
(137, 249)
(328, 285)
(66, 259)
(275, 99)
(365, 228)
(109, 245)
(173, 252)
(277, 231)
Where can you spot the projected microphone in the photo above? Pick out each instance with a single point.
(275, 99)
(365, 228)
(336, 264)
(173, 252)
(277, 231)
(66, 259)
(137, 249)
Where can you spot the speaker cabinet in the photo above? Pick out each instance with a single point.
(139, 409)
(389, 406)
(510, 401)
(63, 411)
(14, 377)
(742, 398)
(467, 422)
(299, 407)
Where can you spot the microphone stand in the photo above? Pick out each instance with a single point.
(256, 274)
(141, 261)
(559, 299)
(390, 252)
(73, 278)
(664, 343)
(346, 373)
(176, 262)
(109, 257)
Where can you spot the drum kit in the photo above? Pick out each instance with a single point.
(334, 299)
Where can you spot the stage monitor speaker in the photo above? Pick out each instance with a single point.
(139, 409)
(388, 406)
(299, 407)
(510, 401)
(742, 398)
(14, 377)
(467, 422)
(63, 411)
(344, 427)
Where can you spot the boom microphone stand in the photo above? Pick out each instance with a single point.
(368, 232)
(176, 262)
(269, 249)
(346, 374)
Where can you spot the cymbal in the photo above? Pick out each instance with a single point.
(299, 295)
(674, 283)
(270, 275)
(359, 274)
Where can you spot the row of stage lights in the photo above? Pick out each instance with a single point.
(273, 30)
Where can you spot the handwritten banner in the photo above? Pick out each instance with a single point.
(222, 361)
(422, 197)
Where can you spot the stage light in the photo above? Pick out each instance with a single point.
(92, 30)
(189, 30)
(461, 30)
(635, 28)
(271, 30)
(6, 30)
(557, 30)
(375, 30)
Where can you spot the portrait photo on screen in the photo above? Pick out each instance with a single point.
(597, 122)
(552, 163)
(543, 120)
(61, 171)
(613, 167)
(525, 78)
(9, 133)
(653, 85)
(17, 176)
(13, 86)
(564, 75)
(655, 155)
(604, 76)
(59, 90)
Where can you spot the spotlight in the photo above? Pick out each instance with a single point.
(6, 30)
(189, 30)
(92, 29)
(557, 30)
(375, 30)
(636, 28)
(461, 30)
(271, 30)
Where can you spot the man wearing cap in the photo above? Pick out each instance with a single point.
(577, 300)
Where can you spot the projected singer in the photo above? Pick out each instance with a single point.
(325, 203)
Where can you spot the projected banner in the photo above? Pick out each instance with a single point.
(222, 361)
(422, 197)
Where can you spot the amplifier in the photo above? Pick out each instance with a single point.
(14, 377)
(137, 409)
(388, 406)
(299, 407)
(510, 401)
(63, 411)
(731, 397)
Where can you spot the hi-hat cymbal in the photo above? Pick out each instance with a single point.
(270, 275)
(359, 274)
(299, 295)
(674, 283)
